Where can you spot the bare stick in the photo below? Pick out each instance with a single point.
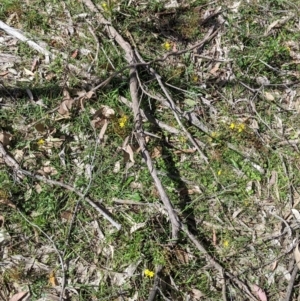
(289, 289)
(21, 172)
(155, 286)
(142, 143)
(130, 58)
(20, 36)
(161, 124)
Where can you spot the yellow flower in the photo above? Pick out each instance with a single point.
(195, 78)
(167, 46)
(214, 134)
(104, 6)
(232, 126)
(241, 127)
(226, 243)
(41, 142)
(122, 121)
(219, 172)
(149, 273)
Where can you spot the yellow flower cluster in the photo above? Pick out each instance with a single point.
(122, 121)
(240, 127)
(149, 273)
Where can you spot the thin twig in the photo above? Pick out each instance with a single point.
(155, 285)
(289, 289)
(49, 55)
(98, 46)
(142, 143)
(173, 108)
(157, 122)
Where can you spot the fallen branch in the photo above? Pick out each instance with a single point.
(289, 289)
(19, 172)
(131, 60)
(49, 55)
(173, 109)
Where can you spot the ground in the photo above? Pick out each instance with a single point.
(149, 150)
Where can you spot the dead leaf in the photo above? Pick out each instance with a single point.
(97, 123)
(4, 73)
(4, 236)
(35, 63)
(197, 294)
(136, 185)
(89, 94)
(262, 80)
(100, 119)
(136, 227)
(156, 153)
(51, 142)
(103, 130)
(259, 292)
(269, 96)
(296, 215)
(278, 23)
(66, 215)
(74, 54)
(7, 202)
(195, 190)
(127, 149)
(38, 188)
(214, 70)
(40, 127)
(67, 103)
(273, 179)
(174, 48)
(5, 138)
(47, 169)
(214, 237)
(117, 167)
(120, 278)
(297, 255)
(185, 151)
(107, 112)
(52, 279)
(50, 170)
(81, 102)
(28, 72)
(182, 256)
(18, 296)
(273, 266)
(83, 95)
